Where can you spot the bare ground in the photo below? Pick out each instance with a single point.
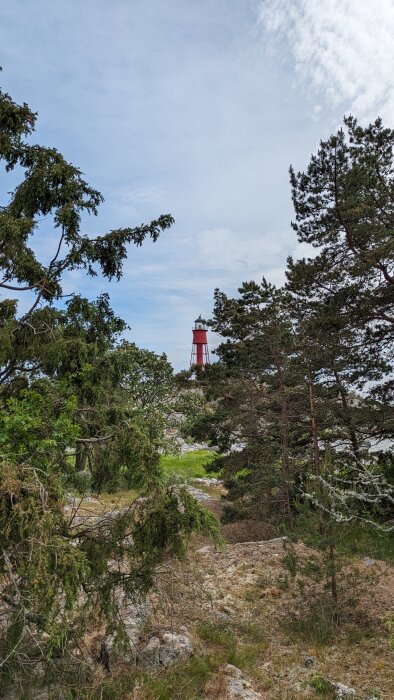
(240, 589)
(244, 590)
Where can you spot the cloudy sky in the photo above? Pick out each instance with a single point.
(195, 109)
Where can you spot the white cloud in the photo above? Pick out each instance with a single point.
(342, 49)
(198, 263)
(176, 278)
(131, 198)
(171, 107)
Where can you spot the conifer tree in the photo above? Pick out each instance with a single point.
(261, 406)
(344, 205)
(66, 383)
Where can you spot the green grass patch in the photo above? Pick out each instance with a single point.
(228, 645)
(322, 686)
(183, 681)
(217, 635)
(187, 466)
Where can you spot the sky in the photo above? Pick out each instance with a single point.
(195, 109)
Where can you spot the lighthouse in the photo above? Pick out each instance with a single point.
(200, 352)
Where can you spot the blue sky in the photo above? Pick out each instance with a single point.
(196, 109)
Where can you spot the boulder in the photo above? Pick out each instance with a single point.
(309, 661)
(343, 692)
(134, 615)
(165, 651)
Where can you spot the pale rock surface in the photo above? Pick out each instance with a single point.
(238, 687)
(134, 615)
(198, 494)
(343, 692)
(165, 651)
(207, 481)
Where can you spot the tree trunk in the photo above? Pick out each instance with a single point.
(347, 416)
(313, 419)
(80, 456)
(285, 442)
(333, 570)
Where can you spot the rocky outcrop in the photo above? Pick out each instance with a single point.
(238, 688)
(134, 616)
(343, 692)
(163, 651)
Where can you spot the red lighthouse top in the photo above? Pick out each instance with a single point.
(200, 353)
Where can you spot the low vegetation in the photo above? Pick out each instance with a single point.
(188, 465)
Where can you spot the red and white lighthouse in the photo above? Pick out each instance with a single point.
(200, 352)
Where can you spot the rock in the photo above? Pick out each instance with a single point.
(343, 692)
(134, 615)
(309, 661)
(198, 494)
(153, 644)
(368, 561)
(204, 550)
(238, 687)
(165, 651)
(206, 481)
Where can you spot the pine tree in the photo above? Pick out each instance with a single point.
(261, 408)
(344, 205)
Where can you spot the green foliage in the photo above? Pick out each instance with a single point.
(306, 371)
(52, 186)
(363, 540)
(290, 562)
(37, 425)
(321, 685)
(343, 205)
(78, 406)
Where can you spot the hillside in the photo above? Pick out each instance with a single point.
(237, 609)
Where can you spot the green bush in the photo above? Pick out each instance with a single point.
(322, 686)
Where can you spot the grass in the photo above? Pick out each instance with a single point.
(104, 503)
(183, 681)
(118, 500)
(315, 626)
(187, 466)
(322, 686)
(240, 646)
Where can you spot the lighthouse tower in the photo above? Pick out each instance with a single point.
(200, 352)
